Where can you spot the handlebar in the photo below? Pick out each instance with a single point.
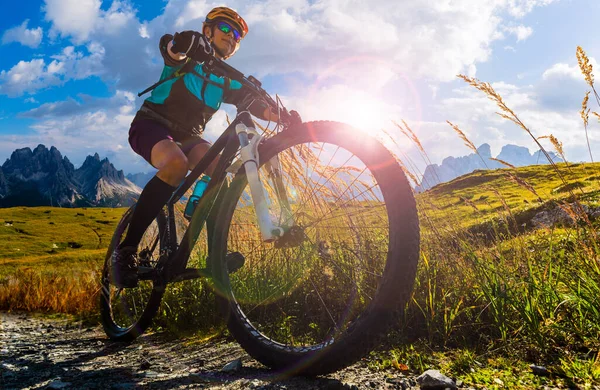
(221, 69)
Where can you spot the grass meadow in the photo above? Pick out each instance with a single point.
(497, 288)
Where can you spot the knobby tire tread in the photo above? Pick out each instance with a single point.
(113, 331)
(400, 270)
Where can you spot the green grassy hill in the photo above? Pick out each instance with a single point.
(528, 294)
(483, 196)
(48, 237)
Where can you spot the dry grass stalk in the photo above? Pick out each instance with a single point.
(462, 136)
(585, 111)
(410, 135)
(523, 183)
(585, 115)
(402, 164)
(509, 114)
(585, 66)
(407, 131)
(576, 212)
(505, 205)
(502, 162)
(558, 146)
(586, 69)
(408, 172)
(467, 141)
(469, 203)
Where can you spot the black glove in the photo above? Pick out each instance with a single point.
(295, 118)
(291, 118)
(192, 44)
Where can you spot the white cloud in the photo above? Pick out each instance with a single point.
(26, 76)
(421, 39)
(521, 32)
(471, 109)
(75, 18)
(358, 52)
(563, 86)
(31, 76)
(520, 8)
(431, 39)
(23, 35)
(78, 131)
(563, 70)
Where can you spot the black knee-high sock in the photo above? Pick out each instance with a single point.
(154, 196)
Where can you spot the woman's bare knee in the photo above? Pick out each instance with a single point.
(170, 161)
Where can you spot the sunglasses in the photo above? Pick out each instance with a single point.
(226, 29)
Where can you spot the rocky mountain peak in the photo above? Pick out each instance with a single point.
(43, 176)
(453, 167)
(485, 151)
(3, 184)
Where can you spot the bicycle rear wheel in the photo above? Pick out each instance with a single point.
(322, 301)
(127, 313)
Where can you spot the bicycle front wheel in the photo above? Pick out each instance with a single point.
(321, 300)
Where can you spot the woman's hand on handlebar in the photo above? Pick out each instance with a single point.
(192, 44)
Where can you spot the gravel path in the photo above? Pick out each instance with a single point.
(38, 353)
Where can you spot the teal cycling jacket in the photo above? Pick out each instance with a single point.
(188, 102)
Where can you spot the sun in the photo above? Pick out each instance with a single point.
(365, 113)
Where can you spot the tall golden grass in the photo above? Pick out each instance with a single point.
(497, 287)
(33, 290)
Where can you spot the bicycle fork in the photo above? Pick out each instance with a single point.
(249, 141)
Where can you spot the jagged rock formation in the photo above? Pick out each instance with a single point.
(43, 177)
(453, 167)
(100, 182)
(3, 184)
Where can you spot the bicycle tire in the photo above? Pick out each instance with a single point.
(118, 320)
(395, 283)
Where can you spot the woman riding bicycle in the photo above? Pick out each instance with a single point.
(167, 130)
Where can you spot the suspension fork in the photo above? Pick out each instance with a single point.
(249, 140)
(273, 167)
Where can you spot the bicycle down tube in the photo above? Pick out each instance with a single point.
(250, 161)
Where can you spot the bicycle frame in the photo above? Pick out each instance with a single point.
(234, 138)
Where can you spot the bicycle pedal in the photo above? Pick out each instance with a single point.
(146, 273)
(235, 261)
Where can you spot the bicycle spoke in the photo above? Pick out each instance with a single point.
(335, 198)
(324, 305)
(344, 273)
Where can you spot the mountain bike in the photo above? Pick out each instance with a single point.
(322, 223)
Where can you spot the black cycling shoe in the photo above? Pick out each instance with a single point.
(235, 261)
(124, 267)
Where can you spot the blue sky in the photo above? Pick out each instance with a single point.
(70, 69)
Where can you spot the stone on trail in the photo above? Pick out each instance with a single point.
(145, 364)
(235, 365)
(57, 384)
(539, 370)
(434, 380)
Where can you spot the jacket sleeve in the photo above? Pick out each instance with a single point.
(164, 41)
(238, 95)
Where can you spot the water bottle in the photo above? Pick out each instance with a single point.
(199, 189)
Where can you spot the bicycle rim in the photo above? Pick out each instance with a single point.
(130, 310)
(306, 297)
